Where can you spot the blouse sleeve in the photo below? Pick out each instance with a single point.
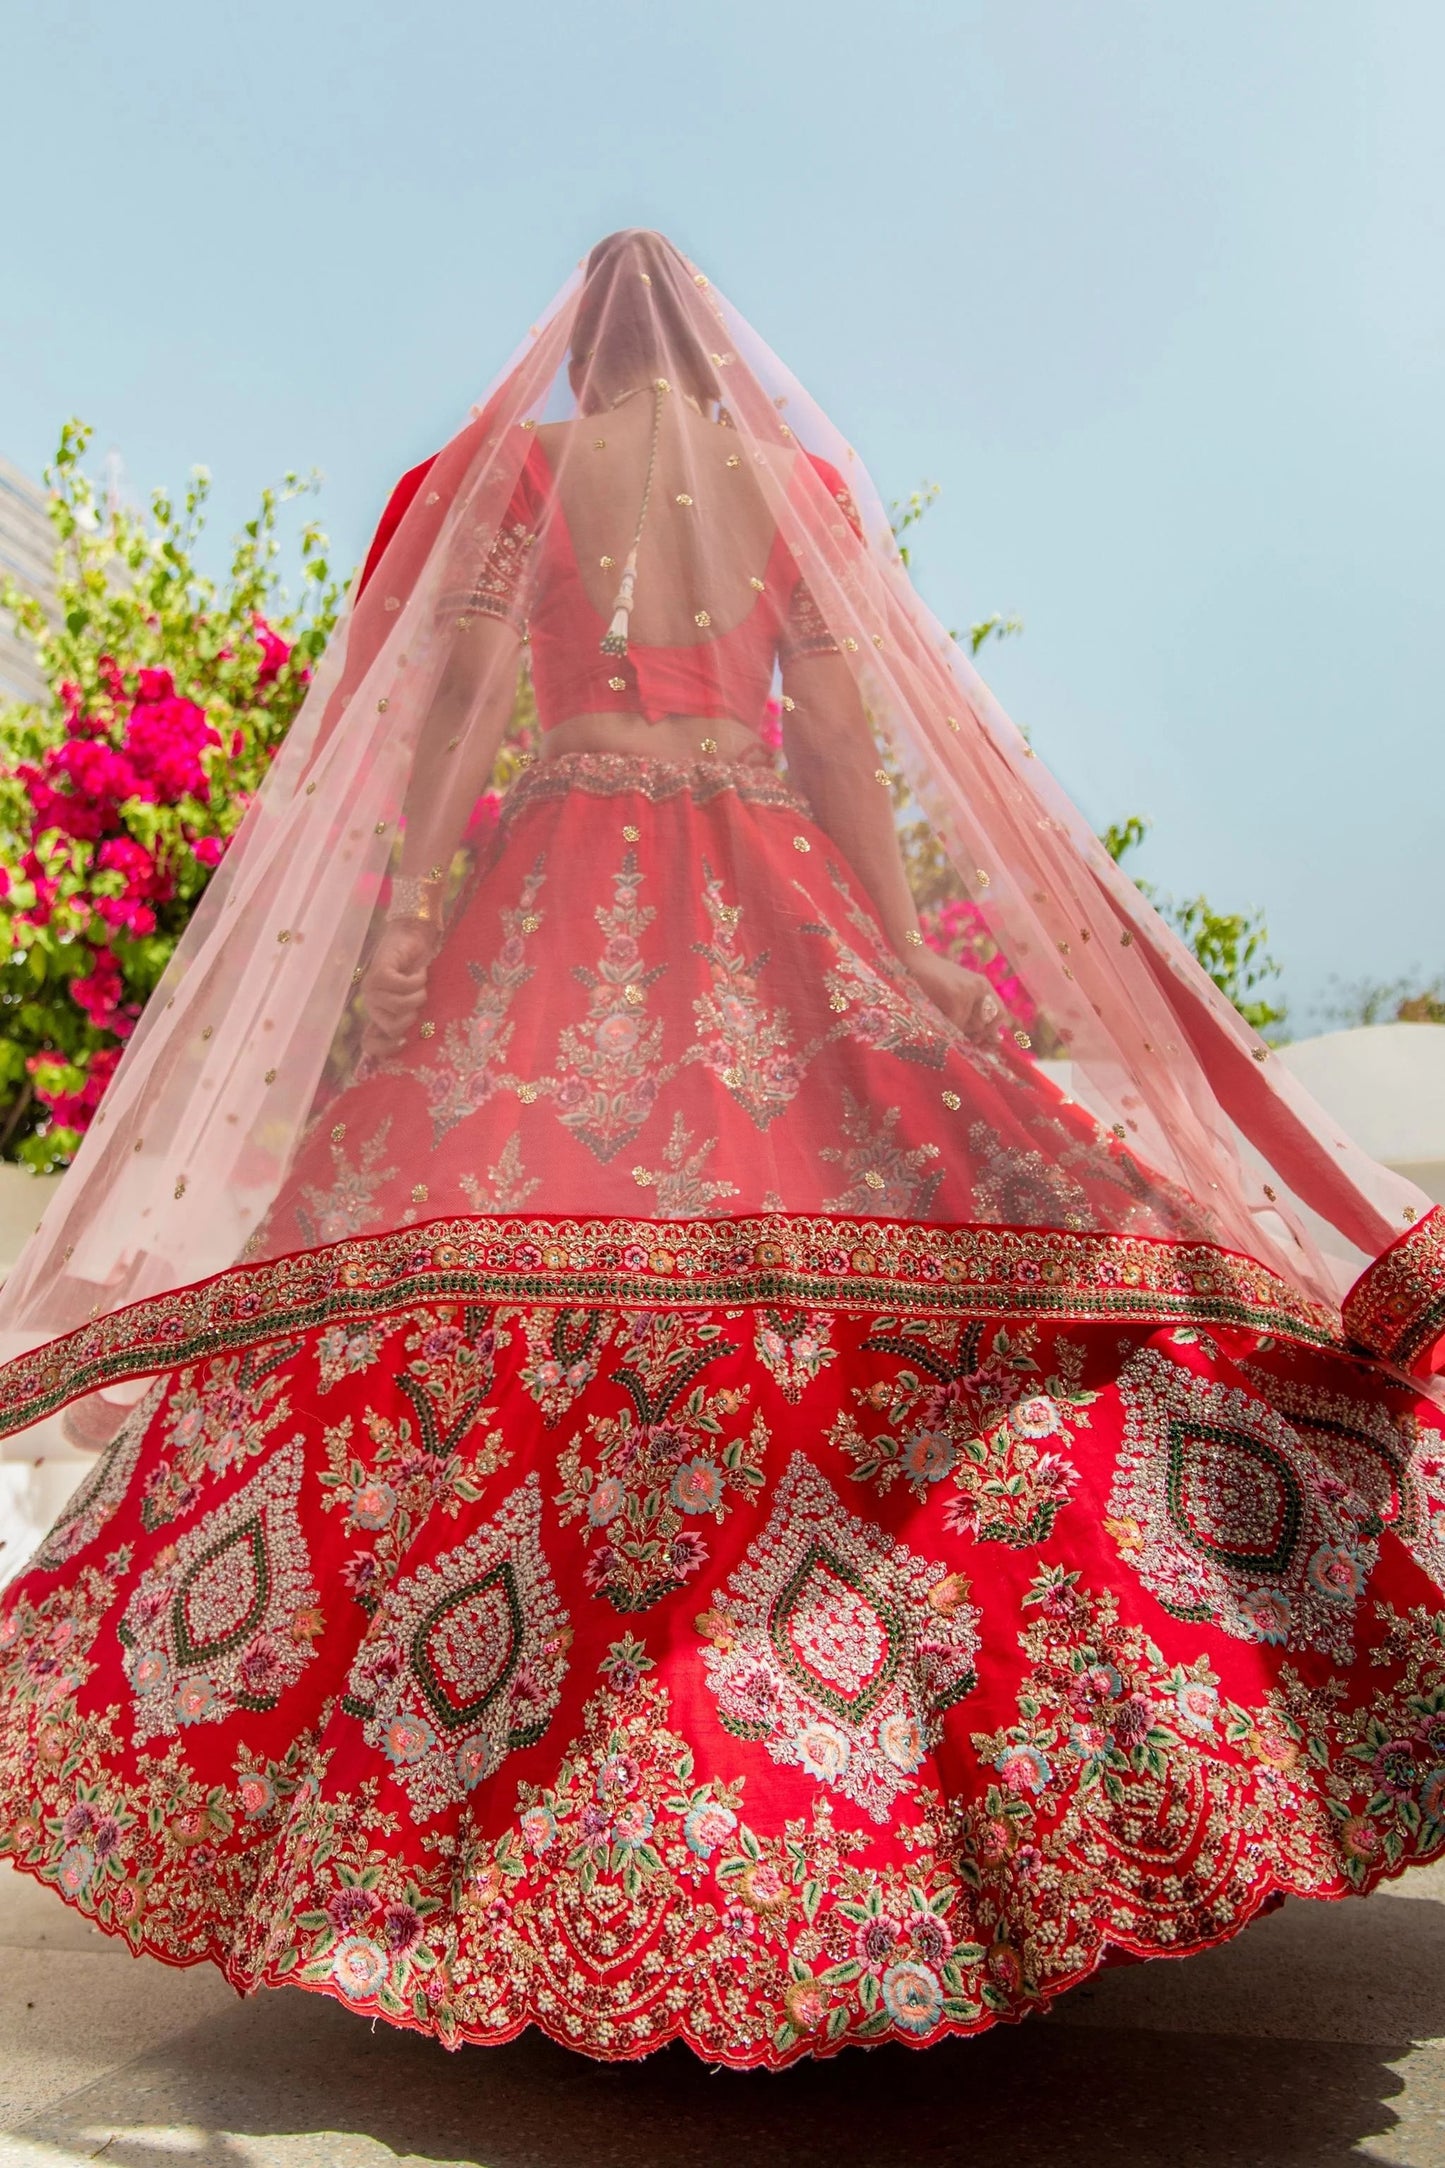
(502, 583)
(805, 630)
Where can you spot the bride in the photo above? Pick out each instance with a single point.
(678, 1468)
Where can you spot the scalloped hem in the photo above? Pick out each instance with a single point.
(708, 2050)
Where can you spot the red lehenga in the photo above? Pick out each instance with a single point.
(690, 1492)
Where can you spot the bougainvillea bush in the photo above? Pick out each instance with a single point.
(169, 694)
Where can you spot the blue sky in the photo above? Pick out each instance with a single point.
(1153, 290)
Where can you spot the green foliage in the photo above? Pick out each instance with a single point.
(1232, 946)
(169, 693)
(1408, 1000)
(1121, 837)
(905, 512)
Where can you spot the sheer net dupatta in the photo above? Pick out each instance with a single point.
(680, 974)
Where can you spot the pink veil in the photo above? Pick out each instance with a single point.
(642, 388)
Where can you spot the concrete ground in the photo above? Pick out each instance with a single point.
(1317, 2038)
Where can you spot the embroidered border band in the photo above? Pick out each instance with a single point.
(642, 1264)
(1396, 1307)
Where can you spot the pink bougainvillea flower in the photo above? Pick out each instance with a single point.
(275, 651)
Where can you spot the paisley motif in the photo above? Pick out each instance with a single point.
(1224, 1512)
(838, 1648)
(224, 1618)
(467, 1662)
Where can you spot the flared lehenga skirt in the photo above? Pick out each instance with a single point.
(843, 1580)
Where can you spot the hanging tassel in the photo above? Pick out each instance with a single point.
(614, 640)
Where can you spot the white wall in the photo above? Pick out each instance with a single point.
(1385, 1085)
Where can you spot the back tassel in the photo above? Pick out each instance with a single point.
(614, 640)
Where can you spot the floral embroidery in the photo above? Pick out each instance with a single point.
(508, 1183)
(465, 1661)
(628, 775)
(345, 1351)
(609, 1067)
(679, 1185)
(1116, 1747)
(975, 1407)
(213, 1422)
(1156, 1205)
(563, 1351)
(417, 1467)
(644, 1871)
(794, 1348)
(224, 1618)
(1019, 1188)
(89, 1507)
(885, 1177)
(625, 1891)
(837, 1647)
(881, 999)
(1218, 1506)
(47, 1648)
(801, 1259)
(451, 1371)
(349, 1206)
(1396, 1309)
(746, 1046)
(475, 1046)
(641, 1481)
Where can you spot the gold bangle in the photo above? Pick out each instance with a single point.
(416, 899)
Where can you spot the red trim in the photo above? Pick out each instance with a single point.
(397, 506)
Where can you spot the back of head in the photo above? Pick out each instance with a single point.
(636, 321)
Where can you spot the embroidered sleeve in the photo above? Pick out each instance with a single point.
(805, 630)
(501, 585)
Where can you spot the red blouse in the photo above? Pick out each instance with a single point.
(531, 580)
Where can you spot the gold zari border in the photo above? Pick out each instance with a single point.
(1396, 1308)
(822, 1263)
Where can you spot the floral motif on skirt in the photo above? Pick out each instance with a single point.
(968, 1680)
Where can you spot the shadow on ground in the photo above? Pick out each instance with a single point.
(1294, 2045)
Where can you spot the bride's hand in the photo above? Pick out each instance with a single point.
(394, 986)
(965, 997)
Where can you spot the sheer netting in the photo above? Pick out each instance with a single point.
(677, 971)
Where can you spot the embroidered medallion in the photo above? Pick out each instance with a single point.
(838, 1648)
(223, 1620)
(467, 1662)
(1381, 1469)
(1219, 1506)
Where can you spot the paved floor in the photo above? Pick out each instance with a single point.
(1318, 2038)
